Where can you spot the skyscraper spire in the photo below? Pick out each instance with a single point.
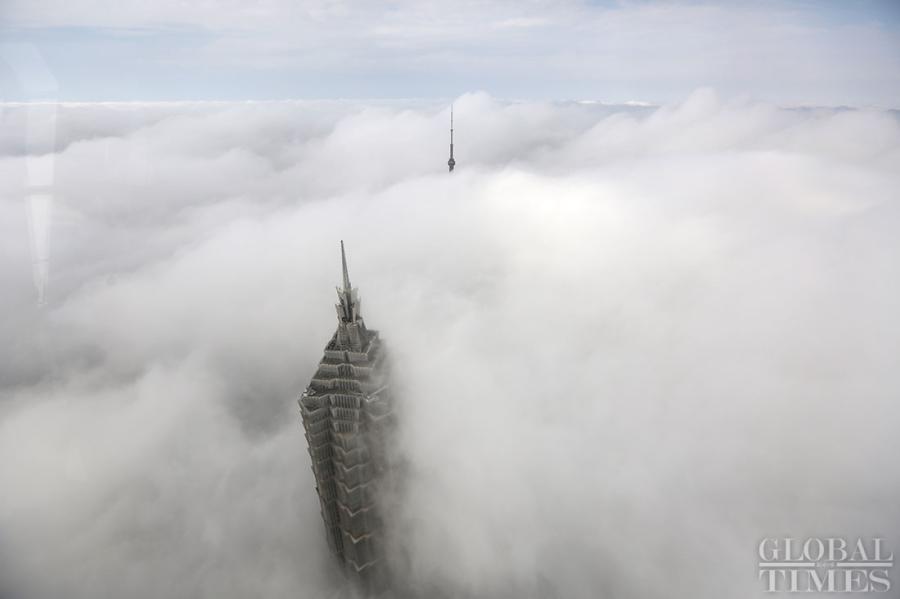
(451, 163)
(344, 265)
(348, 306)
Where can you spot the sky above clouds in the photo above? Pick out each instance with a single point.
(629, 342)
(788, 52)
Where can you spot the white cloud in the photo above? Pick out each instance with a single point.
(631, 342)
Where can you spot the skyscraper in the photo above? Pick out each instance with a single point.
(346, 412)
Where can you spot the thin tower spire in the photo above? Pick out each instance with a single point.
(344, 265)
(451, 163)
(348, 308)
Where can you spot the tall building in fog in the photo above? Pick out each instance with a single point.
(346, 413)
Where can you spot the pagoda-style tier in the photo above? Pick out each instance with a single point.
(346, 413)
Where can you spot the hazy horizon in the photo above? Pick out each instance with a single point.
(779, 51)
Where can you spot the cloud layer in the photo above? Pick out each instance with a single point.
(630, 342)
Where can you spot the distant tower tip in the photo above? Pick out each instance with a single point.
(451, 163)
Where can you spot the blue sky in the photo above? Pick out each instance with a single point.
(789, 52)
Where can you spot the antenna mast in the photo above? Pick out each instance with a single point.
(451, 163)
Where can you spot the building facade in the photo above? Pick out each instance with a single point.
(347, 416)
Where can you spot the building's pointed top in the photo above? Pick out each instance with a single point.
(451, 163)
(348, 299)
(344, 266)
